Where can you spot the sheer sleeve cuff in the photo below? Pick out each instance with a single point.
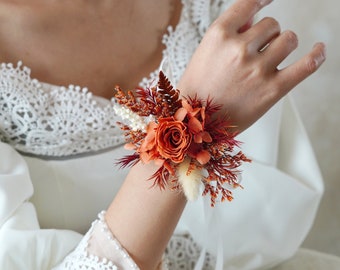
(105, 246)
(99, 249)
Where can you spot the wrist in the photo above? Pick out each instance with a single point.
(186, 137)
(141, 214)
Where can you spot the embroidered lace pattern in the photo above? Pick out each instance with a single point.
(180, 43)
(62, 121)
(52, 121)
(80, 258)
(55, 121)
(182, 253)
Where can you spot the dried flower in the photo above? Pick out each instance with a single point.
(183, 138)
(173, 139)
(190, 179)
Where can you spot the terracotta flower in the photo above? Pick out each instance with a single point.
(196, 120)
(148, 149)
(181, 137)
(172, 139)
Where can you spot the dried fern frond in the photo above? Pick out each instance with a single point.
(170, 97)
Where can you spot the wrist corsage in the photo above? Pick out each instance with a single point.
(192, 147)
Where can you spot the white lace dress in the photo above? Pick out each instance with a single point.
(58, 146)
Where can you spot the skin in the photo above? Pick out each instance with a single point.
(245, 79)
(233, 64)
(94, 44)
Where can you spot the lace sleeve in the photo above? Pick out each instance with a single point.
(99, 249)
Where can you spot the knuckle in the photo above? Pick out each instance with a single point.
(217, 30)
(242, 51)
(311, 65)
(259, 71)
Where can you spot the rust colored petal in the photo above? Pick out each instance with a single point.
(172, 139)
(130, 146)
(186, 105)
(206, 137)
(203, 157)
(149, 140)
(145, 157)
(198, 138)
(195, 125)
(180, 114)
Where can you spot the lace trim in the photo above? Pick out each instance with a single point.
(80, 258)
(59, 121)
(182, 253)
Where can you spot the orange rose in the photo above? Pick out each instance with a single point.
(172, 139)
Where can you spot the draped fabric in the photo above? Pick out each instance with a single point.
(57, 152)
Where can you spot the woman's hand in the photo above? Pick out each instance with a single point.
(237, 63)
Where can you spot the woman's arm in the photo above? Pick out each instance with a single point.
(143, 218)
(236, 64)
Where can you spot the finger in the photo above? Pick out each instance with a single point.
(262, 33)
(292, 75)
(279, 49)
(240, 13)
(245, 27)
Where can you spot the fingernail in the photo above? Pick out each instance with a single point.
(321, 57)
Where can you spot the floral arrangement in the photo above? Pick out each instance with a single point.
(181, 135)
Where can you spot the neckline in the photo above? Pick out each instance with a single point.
(46, 87)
